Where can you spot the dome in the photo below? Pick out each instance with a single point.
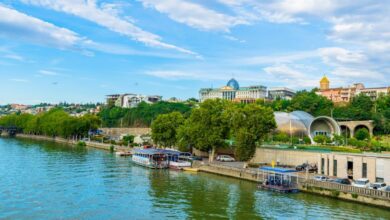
(233, 83)
(297, 122)
(324, 80)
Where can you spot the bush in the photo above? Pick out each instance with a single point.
(362, 134)
(306, 140)
(322, 139)
(81, 144)
(282, 137)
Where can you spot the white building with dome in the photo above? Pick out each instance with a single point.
(233, 92)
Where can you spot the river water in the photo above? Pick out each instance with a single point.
(44, 180)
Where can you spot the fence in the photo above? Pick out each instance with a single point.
(346, 188)
(257, 175)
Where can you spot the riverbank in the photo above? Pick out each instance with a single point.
(349, 193)
(92, 144)
(334, 190)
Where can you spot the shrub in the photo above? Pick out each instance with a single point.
(322, 139)
(81, 144)
(354, 195)
(362, 134)
(306, 140)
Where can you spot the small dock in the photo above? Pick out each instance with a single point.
(280, 189)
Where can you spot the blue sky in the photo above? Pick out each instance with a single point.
(82, 50)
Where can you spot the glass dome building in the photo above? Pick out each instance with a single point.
(301, 124)
(233, 83)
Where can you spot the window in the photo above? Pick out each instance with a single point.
(379, 180)
(334, 167)
(364, 170)
(322, 165)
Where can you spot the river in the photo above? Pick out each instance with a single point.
(45, 180)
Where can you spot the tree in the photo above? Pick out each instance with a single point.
(164, 128)
(207, 127)
(250, 125)
(311, 102)
(362, 134)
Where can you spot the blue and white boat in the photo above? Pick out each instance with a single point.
(152, 158)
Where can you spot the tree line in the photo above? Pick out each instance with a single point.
(216, 124)
(361, 107)
(55, 122)
(140, 116)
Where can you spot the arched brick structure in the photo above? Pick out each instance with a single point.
(353, 125)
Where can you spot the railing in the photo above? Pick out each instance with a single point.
(346, 188)
(258, 176)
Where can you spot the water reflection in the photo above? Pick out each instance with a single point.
(44, 180)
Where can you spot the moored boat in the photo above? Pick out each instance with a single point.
(152, 158)
(178, 160)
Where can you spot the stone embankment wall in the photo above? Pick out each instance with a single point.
(230, 171)
(284, 157)
(73, 142)
(117, 132)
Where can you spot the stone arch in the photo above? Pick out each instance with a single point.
(345, 131)
(360, 126)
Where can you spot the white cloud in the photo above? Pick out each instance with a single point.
(16, 25)
(19, 80)
(91, 11)
(194, 15)
(48, 73)
(337, 55)
(14, 57)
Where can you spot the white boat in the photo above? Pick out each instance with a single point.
(152, 158)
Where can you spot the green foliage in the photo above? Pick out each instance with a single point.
(354, 195)
(335, 193)
(207, 127)
(306, 140)
(55, 122)
(249, 126)
(322, 139)
(338, 139)
(164, 128)
(140, 116)
(281, 137)
(81, 144)
(362, 134)
(311, 102)
(128, 139)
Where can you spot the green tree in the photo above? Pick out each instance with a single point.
(250, 125)
(362, 134)
(321, 139)
(311, 102)
(164, 128)
(207, 127)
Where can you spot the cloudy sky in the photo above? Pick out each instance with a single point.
(81, 50)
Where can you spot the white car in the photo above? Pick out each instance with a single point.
(225, 158)
(377, 186)
(362, 183)
(386, 189)
(321, 178)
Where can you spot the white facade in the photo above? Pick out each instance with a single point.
(233, 92)
(133, 100)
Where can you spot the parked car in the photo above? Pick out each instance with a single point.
(343, 181)
(225, 158)
(195, 158)
(321, 178)
(377, 186)
(386, 189)
(304, 166)
(362, 183)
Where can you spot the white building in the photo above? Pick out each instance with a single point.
(132, 100)
(233, 92)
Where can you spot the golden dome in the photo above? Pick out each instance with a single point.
(324, 80)
(226, 88)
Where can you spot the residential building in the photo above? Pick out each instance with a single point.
(233, 92)
(346, 94)
(281, 93)
(130, 100)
